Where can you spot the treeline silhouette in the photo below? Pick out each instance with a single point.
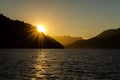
(18, 34)
(109, 39)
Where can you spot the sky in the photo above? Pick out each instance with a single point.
(86, 18)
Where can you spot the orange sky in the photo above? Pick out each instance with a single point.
(85, 18)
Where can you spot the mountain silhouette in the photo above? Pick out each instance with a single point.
(65, 40)
(109, 39)
(109, 33)
(18, 34)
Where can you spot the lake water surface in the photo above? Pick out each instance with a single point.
(59, 64)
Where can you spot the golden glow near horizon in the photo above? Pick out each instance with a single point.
(41, 28)
(74, 18)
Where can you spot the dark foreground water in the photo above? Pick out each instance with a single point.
(62, 64)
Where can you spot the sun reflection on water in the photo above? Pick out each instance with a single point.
(46, 67)
(40, 60)
(41, 67)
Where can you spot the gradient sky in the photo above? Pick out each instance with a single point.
(85, 18)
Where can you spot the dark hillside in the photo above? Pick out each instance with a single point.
(17, 34)
(109, 39)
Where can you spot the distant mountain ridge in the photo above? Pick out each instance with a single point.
(109, 33)
(65, 40)
(17, 34)
(109, 39)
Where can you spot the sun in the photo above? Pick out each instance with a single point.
(41, 28)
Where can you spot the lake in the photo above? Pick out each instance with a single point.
(59, 64)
